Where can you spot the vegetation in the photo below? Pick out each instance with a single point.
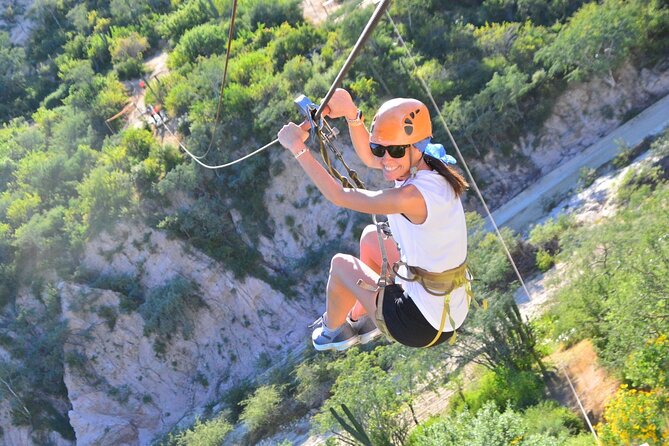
(69, 172)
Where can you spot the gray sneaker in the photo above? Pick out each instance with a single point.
(365, 328)
(340, 339)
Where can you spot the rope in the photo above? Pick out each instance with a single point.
(220, 166)
(371, 24)
(580, 405)
(476, 189)
(225, 75)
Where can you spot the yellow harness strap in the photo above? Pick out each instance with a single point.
(441, 284)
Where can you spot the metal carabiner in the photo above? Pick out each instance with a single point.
(308, 110)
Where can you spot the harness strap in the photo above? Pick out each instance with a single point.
(442, 285)
(447, 312)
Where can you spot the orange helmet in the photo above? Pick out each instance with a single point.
(401, 121)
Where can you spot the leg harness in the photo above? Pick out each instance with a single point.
(437, 284)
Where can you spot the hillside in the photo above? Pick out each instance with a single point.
(141, 291)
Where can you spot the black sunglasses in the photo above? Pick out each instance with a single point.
(394, 151)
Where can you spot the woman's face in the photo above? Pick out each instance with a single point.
(398, 168)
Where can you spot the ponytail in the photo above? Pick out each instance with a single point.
(454, 178)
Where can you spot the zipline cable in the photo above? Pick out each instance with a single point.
(231, 32)
(461, 158)
(371, 24)
(580, 405)
(476, 189)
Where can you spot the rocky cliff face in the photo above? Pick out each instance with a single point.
(124, 390)
(580, 116)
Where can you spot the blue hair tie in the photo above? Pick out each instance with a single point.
(435, 151)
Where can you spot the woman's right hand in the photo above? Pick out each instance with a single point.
(341, 104)
(292, 137)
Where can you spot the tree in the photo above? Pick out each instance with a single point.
(271, 14)
(260, 409)
(202, 40)
(127, 52)
(105, 196)
(597, 39)
(13, 78)
(189, 15)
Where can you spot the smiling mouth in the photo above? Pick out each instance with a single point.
(390, 169)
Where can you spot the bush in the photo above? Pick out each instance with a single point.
(487, 427)
(544, 260)
(127, 51)
(549, 418)
(505, 388)
(169, 309)
(635, 417)
(586, 176)
(105, 196)
(203, 40)
(314, 380)
(138, 143)
(597, 38)
(644, 179)
(261, 409)
(649, 367)
(190, 14)
(203, 433)
(271, 14)
(547, 236)
(618, 265)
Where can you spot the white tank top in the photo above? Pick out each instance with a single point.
(436, 245)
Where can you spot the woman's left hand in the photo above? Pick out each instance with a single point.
(292, 137)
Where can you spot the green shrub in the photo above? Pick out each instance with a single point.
(544, 260)
(270, 14)
(586, 176)
(616, 25)
(234, 397)
(314, 380)
(549, 418)
(547, 236)
(649, 366)
(580, 440)
(503, 387)
(261, 409)
(202, 40)
(617, 265)
(105, 196)
(130, 68)
(487, 427)
(138, 142)
(127, 52)
(642, 180)
(203, 433)
(170, 309)
(190, 14)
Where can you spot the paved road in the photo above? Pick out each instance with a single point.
(526, 208)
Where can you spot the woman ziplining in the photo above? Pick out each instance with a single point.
(431, 293)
